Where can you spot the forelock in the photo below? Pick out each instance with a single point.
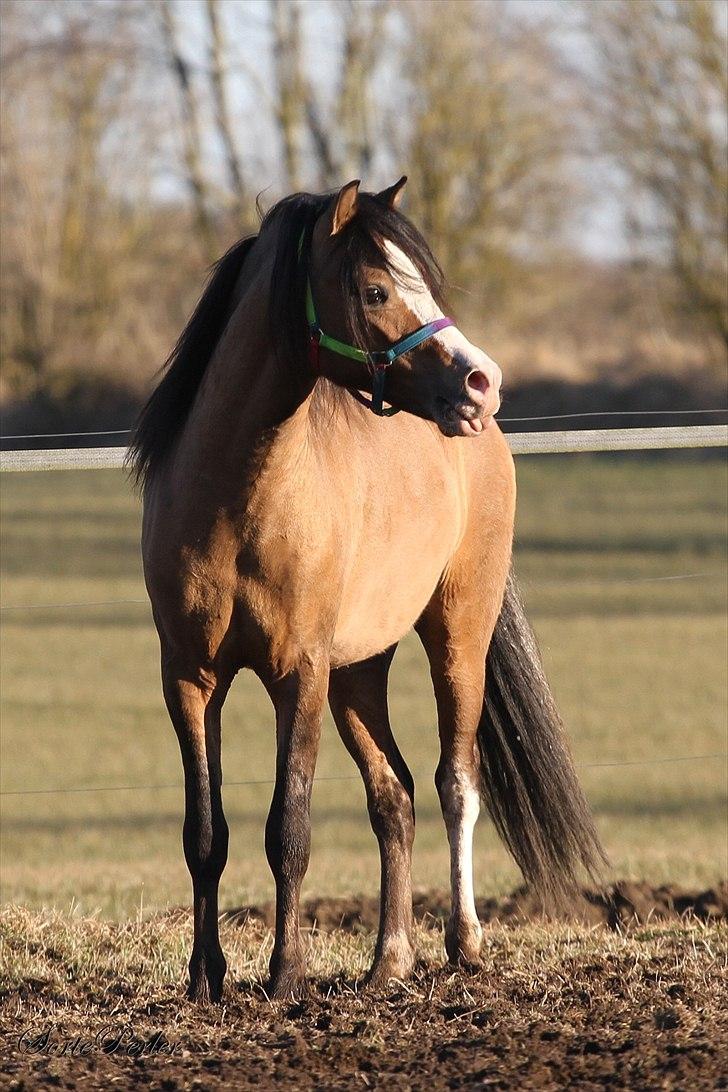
(377, 229)
(403, 270)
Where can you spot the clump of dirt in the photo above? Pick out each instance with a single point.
(619, 906)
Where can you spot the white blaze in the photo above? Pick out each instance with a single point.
(413, 291)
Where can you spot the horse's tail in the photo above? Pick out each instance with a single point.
(528, 780)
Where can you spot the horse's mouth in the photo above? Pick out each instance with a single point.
(460, 420)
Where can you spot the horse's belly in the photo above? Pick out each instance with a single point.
(383, 599)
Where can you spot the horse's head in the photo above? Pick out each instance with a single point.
(373, 283)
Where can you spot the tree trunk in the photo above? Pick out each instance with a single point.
(191, 131)
(222, 106)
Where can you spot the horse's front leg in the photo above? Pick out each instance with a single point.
(195, 714)
(299, 702)
(459, 694)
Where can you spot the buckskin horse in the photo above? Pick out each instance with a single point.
(297, 525)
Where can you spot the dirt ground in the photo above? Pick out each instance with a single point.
(630, 1000)
(620, 905)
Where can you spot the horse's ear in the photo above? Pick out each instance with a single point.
(344, 206)
(393, 194)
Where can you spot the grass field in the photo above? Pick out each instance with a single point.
(637, 660)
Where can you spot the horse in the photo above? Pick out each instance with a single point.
(321, 472)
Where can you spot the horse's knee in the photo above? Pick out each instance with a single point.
(288, 837)
(391, 812)
(287, 857)
(205, 844)
(459, 792)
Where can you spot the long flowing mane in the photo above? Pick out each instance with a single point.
(293, 219)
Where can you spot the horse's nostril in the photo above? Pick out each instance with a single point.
(477, 382)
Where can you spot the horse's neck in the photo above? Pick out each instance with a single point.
(247, 401)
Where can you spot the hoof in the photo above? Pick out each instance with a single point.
(287, 980)
(207, 974)
(470, 964)
(389, 967)
(462, 944)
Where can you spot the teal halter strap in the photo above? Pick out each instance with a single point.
(377, 361)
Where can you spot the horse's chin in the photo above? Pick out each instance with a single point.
(456, 424)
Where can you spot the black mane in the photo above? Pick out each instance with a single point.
(163, 417)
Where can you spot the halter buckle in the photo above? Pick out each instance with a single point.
(378, 376)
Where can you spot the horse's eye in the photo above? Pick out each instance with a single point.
(375, 295)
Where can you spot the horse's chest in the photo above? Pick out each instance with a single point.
(404, 545)
(354, 572)
(388, 586)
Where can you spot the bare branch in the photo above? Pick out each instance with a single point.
(192, 133)
(222, 108)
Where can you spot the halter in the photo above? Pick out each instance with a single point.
(377, 361)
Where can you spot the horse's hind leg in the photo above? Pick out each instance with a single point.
(195, 714)
(358, 698)
(455, 630)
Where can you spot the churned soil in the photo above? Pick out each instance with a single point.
(620, 905)
(633, 999)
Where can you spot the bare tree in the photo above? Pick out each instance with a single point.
(76, 273)
(344, 142)
(222, 105)
(660, 101)
(485, 136)
(191, 127)
(290, 92)
(323, 141)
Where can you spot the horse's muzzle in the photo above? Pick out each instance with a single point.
(471, 407)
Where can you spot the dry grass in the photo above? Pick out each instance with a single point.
(551, 1006)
